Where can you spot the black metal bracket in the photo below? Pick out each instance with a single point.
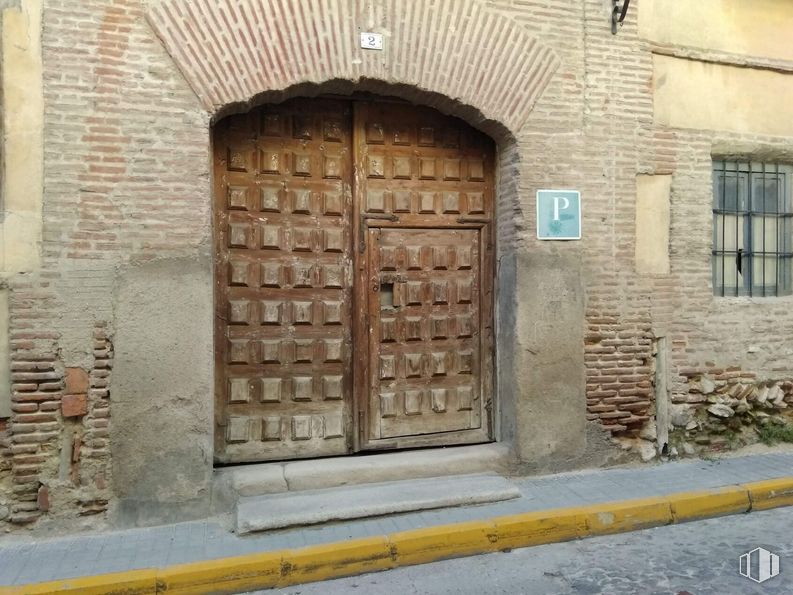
(464, 219)
(618, 14)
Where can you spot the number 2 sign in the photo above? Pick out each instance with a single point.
(372, 41)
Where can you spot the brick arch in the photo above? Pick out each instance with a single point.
(231, 51)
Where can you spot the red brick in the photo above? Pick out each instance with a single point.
(43, 499)
(74, 405)
(76, 381)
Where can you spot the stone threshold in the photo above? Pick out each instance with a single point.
(311, 507)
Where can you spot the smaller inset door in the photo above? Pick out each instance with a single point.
(425, 349)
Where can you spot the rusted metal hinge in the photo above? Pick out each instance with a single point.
(465, 219)
(376, 216)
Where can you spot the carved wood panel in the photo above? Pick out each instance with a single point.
(283, 282)
(424, 193)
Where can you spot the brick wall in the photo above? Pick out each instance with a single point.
(127, 155)
(127, 179)
(588, 132)
(593, 130)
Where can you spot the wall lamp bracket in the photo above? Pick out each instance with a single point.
(618, 14)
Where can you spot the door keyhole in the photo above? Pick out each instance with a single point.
(386, 295)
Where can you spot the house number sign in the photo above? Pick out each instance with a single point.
(372, 41)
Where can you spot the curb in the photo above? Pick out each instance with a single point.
(419, 546)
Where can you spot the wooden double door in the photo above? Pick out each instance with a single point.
(353, 280)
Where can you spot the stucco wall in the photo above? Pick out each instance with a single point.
(22, 137)
(760, 28)
(162, 391)
(708, 96)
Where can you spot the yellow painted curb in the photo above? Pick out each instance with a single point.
(536, 528)
(227, 575)
(278, 569)
(130, 582)
(690, 506)
(419, 546)
(771, 493)
(322, 562)
(620, 517)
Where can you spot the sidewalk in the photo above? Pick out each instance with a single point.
(24, 561)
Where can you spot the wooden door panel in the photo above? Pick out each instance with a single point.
(283, 282)
(424, 191)
(425, 168)
(425, 340)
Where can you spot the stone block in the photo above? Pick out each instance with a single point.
(74, 405)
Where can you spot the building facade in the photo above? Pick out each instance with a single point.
(234, 232)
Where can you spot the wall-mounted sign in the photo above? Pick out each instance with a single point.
(372, 41)
(558, 215)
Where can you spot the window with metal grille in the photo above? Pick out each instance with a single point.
(752, 229)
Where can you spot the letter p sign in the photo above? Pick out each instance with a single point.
(556, 200)
(558, 215)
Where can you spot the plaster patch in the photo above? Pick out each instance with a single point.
(162, 389)
(708, 96)
(22, 137)
(756, 28)
(652, 223)
(84, 295)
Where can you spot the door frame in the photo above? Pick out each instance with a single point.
(359, 421)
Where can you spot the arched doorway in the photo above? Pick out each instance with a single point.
(353, 282)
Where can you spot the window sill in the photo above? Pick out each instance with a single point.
(745, 299)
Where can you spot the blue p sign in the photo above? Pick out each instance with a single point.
(558, 215)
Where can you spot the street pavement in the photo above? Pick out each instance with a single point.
(699, 558)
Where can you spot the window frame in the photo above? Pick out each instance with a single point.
(746, 212)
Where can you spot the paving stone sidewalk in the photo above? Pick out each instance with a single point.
(23, 560)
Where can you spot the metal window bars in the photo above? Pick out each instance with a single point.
(752, 229)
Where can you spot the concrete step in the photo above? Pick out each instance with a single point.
(310, 507)
(231, 483)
